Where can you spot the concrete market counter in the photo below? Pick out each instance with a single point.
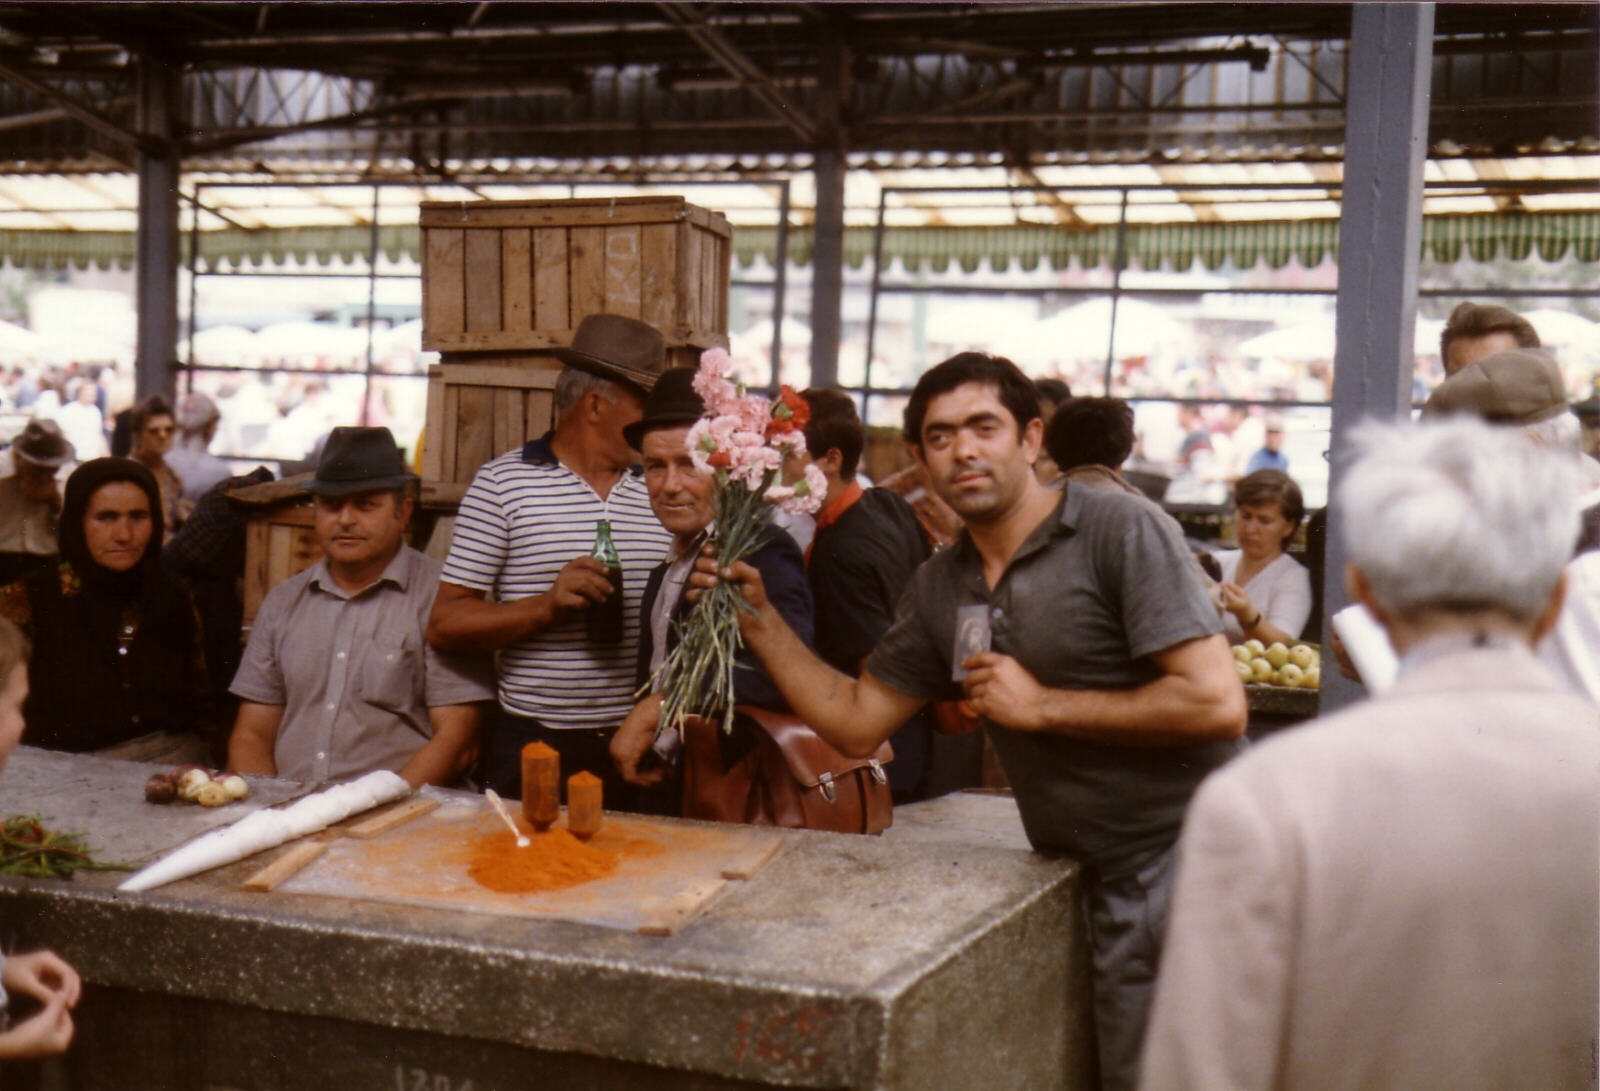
(943, 954)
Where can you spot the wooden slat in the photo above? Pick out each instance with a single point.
(443, 494)
(501, 375)
(551, 304)
(721, 262)
(508, 425)
(433, 427)
(745, 865)
(257, 552)
(401, 812)
(443, 279)
(280, 554)
(673, 913)
(286, 866)
(688, 278)
(516, 279)
(447, 453)
(503, 340)
(710, 282)
(482, 285)
(623, 289)
(540, 412)
(586, 261)
(658, 274)
(578, 213)
(474, 431)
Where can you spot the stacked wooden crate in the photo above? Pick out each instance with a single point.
(505, 282)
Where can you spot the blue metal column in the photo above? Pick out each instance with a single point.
(156, 261)
(1380, 240)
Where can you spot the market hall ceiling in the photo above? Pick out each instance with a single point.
(435, 88)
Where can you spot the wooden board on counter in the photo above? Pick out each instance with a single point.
(669, 872)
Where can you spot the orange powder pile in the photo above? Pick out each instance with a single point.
(555, 861)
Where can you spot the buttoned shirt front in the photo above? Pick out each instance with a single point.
(353, 673)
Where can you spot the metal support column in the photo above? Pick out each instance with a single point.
(1380, 240)
(156, 263)
(827, 251)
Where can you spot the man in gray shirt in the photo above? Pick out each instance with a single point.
(1107, 687)
(337, 679)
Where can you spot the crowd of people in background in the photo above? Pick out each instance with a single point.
(1020, 576)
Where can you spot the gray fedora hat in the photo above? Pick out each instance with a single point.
(42, 443)
(621, 349)
(359, 460)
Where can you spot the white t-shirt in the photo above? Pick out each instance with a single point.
(1281, 591)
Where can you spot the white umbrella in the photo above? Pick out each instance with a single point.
(1560, 327)
(310, 342)
(225, 346)
(1081, 332)
(1311, 340)
(17, 341)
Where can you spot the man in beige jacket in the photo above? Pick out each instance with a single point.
(1404, 895)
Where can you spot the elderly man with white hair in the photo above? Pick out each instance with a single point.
(1404, 894)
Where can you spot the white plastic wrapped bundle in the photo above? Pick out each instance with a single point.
(265, 829)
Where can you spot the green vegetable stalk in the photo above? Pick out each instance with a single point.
(28, 849)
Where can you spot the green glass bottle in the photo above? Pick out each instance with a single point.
(605, 618)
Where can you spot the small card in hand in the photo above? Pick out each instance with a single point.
(972, 637)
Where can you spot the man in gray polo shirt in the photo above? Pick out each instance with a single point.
(337, 678)
(1107, 687)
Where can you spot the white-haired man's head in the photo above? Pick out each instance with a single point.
(1457, 517)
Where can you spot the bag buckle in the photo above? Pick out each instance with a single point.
(825, 782)
(877, 771)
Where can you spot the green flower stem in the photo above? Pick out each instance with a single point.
(697, 675)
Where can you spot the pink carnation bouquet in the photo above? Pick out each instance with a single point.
(742, 440)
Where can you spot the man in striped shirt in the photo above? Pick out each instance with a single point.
(519, 581)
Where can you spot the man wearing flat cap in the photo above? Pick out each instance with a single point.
(1523, 388)
(338, 679)
(519, 580)
(30, 497)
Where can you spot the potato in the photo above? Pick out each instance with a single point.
(160, 788)
(212, 794)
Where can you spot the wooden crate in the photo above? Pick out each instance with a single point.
(478, 411)
(520, 275)
(280, 537)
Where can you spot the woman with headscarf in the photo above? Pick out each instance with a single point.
(117, 665)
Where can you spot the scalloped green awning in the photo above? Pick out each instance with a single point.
(1550, 236)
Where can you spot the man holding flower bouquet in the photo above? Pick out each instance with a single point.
(683, 496)
(1107, 687)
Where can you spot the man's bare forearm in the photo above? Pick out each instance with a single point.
(853, 715)
(1169, 711)
(463, 622)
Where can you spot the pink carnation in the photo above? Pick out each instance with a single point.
(808, 492)
(711, 382)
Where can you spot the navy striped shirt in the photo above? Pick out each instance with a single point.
(525, 518)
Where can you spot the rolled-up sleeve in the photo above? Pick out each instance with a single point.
(260, 674)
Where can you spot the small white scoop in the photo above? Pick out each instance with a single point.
(499, 805)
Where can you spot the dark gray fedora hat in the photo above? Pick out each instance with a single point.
(672, 403)
(621, 349)
(359, 460)
(42, 443)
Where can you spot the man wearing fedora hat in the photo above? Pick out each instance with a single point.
(518, 580)
(30, 497)
(337, 678)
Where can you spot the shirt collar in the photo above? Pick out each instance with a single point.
(539, 452)
(397, 572)
(1063, 520)
(840, 504)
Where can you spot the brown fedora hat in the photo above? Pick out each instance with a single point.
(622, 349)
(42, 444)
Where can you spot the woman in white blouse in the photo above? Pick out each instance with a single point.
(1266, 593)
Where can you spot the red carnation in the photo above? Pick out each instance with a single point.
(789, 414)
